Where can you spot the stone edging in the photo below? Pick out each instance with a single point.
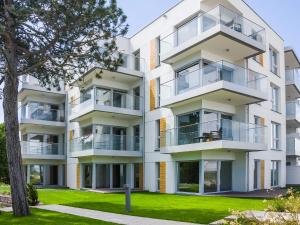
(5, 200)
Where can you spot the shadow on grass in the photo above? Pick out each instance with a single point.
(203, 216)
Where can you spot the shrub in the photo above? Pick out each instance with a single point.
(282, 210)
(32, 195)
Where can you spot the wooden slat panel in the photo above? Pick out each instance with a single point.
(261, 59)
(163, 127)
(262, 174)
(141, 175)
(153, 54)
(162, 174)
(71, 135)
(78, 176)
(152, 94)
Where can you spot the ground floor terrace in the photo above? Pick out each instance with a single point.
(210, 172)
(45, 175)
(111, 176)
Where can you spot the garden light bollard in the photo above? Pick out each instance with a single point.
(128, 197)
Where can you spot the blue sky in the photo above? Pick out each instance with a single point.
(283, 16)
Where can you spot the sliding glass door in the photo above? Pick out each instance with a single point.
(210, 176)
(188, 177)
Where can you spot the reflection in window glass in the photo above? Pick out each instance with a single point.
(187, 31)
(187, 78)
(36, 174)
(188, 128)
(103, 97)
(210, 176)
(188, 177)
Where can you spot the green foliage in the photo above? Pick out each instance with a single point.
(282, 210)
(32, 195)
(4, 189)
(4, 176)
(57, 40)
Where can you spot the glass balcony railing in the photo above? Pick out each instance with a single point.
(292, 108)
(101, 142)
(293, 76)
(42, 148)
(42, 113)
(130, 62)
(105, 97)
(208, 20)
(293, 144)
(32, 81)
(219, 71)
(216, 130)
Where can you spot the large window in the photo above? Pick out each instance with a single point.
(187, 31)
(226, 176)
(275, 136)
(157, 176)
(275, 98)
(36, 174)
(274, 61)
(188, 128)
(188, 180)
(275, 173)
(210, 176)
(87, 175)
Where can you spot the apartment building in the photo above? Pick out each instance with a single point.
(199, 106)
(292, 64)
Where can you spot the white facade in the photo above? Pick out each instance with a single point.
(190, 110)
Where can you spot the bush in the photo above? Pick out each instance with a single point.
(32, 195)
(282, 210)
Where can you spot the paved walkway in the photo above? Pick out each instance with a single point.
(109, 217)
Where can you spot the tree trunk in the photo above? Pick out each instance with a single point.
(16, 174)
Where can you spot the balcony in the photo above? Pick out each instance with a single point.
(42, 150)
(293, 114)
(293, 145)
(133, 66)
(292, 81)
(220, 82)
(106, 145)
(31, 86)
(105, 103)
(43, 115)
(219, 31)
(221, 134)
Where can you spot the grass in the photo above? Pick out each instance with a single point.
(4, 188)
(46, 217)
(197, 209)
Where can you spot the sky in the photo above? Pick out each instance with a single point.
(282, 16)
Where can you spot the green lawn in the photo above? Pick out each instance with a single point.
(4, 188)
(46, 217)
(197, 209)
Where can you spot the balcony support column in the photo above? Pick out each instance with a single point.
(94, 176)
(28, 174)
(201, 176)
(60, 175)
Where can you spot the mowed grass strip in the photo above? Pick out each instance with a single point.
(196, 209)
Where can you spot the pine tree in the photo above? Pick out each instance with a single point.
(51, 41)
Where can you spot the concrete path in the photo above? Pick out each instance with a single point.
(109, 217)
(6, 209)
